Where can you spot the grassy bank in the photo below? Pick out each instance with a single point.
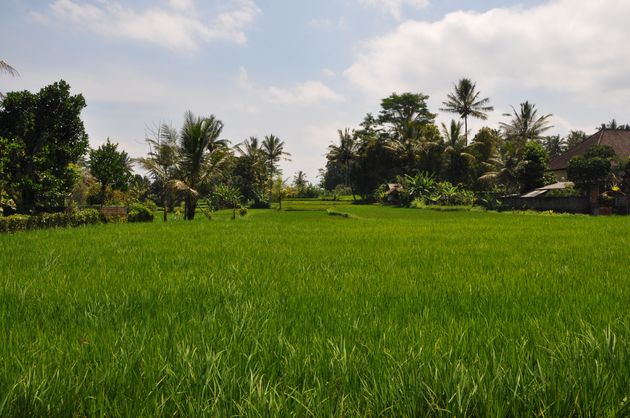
(391, 312)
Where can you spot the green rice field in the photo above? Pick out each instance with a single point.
(383, 312)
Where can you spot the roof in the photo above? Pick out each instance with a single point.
(558, 186)
(542, 190)
(618, 140)
(535, 193)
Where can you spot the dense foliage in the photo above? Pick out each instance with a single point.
(15, 223)
(43, 137)
(594, 168)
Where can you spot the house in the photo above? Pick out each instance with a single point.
(618, 140)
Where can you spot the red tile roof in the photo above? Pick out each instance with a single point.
(618, 140)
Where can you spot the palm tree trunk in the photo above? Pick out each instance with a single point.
(466, 129)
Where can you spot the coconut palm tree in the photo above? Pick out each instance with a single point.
(200, 158)
(526, 125)
(344, 153)
(465, 102)
(273, 152)
(162, 160)
(459, 158)
(299, 181)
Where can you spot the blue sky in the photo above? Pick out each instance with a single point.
(303, 69)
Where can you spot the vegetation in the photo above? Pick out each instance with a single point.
(393, 311)
(465, 101)
(46, 138)
(112, 168)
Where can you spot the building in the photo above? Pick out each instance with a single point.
(618, 140)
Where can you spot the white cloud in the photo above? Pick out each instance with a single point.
(309, 92)
(395, 7)
(305, 93)
(328, 72)
(176, 26)
(570, 46)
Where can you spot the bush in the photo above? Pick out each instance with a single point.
(139, 213)
(17, 223)
(243, 211)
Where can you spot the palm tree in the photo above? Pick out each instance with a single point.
(198, 159)
(344, 153)
(526, 125)
(465, 102)
(299, 181)
(273, 152)
(162, 160)
(452, 135)
(6, 68)
(459, 159)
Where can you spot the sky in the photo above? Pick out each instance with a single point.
(302, 69)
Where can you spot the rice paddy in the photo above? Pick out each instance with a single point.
(386, 311)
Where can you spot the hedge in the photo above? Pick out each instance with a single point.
(15, 223)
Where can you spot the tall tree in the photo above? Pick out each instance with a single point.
(199, 159)
(162, 161)
(48, 129)
(299, 181)
(465, 102)
(112, 168)
(249, 172)
(344, 153)
(273, 151)
(403, 115)
(459, 162)
(525, 125)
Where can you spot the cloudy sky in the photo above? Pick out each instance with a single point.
(302, 69)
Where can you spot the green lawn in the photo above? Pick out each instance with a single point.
(391, 312)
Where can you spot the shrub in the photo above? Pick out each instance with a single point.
(242, 211)
(139, 213)
(151, 205)
(15, 223)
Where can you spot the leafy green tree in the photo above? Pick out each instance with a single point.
(465, 102)
(273, 151)
(530, 171)
(402, 115)
(525, 125)
(112, 168)
(594, 168)
(47, 127)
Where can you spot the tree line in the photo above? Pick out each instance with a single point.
(403, 139)
(46, 163)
